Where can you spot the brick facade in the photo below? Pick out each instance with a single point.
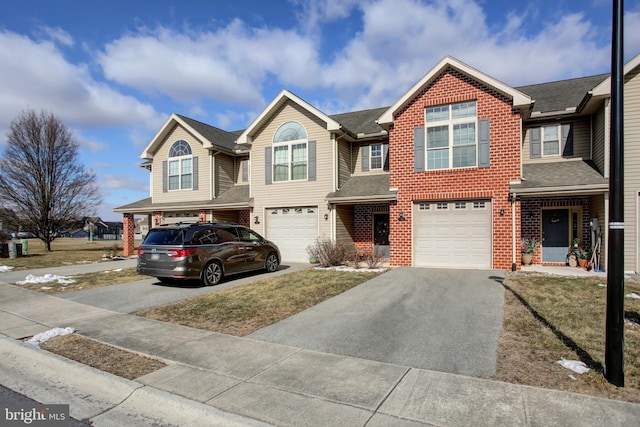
(128, 232)
(465, 183)
(363, 224)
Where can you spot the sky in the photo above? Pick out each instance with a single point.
(114, 71)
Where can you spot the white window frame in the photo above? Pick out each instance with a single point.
(290, 163)
(449, 122)
(558, 139)
(379, 156)
(181, 162)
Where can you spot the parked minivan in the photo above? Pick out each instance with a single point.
(204, 251)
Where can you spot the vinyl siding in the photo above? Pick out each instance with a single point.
(238, 170)
(230, 216)
(224, 167)
(292, 193)
(344, 226)
(631, 168)
(204, 170)
(344, 162)
(598, 139)
(581, 142)
(356, 156)
(597, 211)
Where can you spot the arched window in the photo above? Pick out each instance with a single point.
(180, 173)
(290, 153)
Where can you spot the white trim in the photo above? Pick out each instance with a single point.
(245, 137)
(159, 137)
(604, 88)
(519, 98)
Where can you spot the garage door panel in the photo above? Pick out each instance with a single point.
(452, 234)
(293, 230)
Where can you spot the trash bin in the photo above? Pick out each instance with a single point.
(13, 251)
(25, 246)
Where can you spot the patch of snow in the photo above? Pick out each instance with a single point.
(602, 285)
(116, 270)
(633, 295)
(46, 279)
(45, 336)
(575, 365)
(46, 288)
(5, 268)
(573, 377)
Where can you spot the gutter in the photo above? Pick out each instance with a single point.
(547, 191)
(357, 199)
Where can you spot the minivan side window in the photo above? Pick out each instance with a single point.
(164, 237)
(247, 235)
(212, 236)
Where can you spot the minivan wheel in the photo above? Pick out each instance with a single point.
(212, 274)
(271, 263)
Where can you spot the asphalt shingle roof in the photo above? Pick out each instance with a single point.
(364, 186)
(561, 174)
(218, 137)
(237, 195)
(361, 122)
(560, 95)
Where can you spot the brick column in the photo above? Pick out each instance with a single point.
(128, 234)
(202, 215)
(157, 219)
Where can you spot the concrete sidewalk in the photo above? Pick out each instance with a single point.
(215, 379)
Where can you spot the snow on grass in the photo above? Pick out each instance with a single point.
(355, 270)
(45, 336)
(5, 268)
(63, 280)
(633, 295)
(575, 365)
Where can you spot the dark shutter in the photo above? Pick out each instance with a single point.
(385, 157)
(534, 142)
(418, 149)
(195, 172)
(311, 166)
(484, 160)
(364, 153)
(267, 165)
(165, 177)
(567, 140)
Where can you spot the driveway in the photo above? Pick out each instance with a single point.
(436, 319)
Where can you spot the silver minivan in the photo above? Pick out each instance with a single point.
(204, 251)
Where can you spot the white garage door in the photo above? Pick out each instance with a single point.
(452, 234)
(176, 217)
(293, 230)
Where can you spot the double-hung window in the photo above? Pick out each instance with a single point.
(551, 140)
(180, 171)
(375, 158)
(451, 136)
(290, 153)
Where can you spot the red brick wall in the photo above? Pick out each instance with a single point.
(244, 218)
(363, 225)
(128, 234)
(465, 183)
(202, 215)
(157, 219)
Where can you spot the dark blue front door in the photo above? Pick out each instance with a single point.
(555, 235)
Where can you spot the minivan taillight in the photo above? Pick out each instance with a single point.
(180, 253)
(140, 251)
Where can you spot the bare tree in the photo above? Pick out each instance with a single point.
(41, 178)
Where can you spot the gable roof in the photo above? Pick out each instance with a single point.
(361, 123)
(519, 98)
(551, 178)
(210, 136)
(604, 88)
(280, 100)
(560, 96)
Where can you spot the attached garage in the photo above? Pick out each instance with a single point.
(176, 217)
(293, 230)
(452, 234)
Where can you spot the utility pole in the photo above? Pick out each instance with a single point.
(614, 344)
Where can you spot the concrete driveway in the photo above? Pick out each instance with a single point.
(436, 319)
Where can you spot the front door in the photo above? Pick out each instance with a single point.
(555, 235)
(381, 233)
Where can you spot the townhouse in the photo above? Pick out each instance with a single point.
(453, 174)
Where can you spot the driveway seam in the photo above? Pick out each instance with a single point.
(386, 396)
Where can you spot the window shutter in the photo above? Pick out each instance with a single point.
(165, 177)
(195, 172)
(567, 140)
(267, 165)
(364, 153)
(311, 166)
(385, 157)
(534, 142)
(245, 170)
(418, 149)
(484, 160)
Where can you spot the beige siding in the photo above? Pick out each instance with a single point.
(224, 167)
(204, 170)
(581, 142)
(344, 162)
(356, 160)
(344, 225)
(598, 204)
(598, 139)
(238, 170)
(631, 168)
(293, 193)
(231, 216)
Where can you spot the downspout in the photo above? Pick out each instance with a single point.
(512, 198)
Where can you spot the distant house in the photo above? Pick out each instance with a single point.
(141, 228)
(101, 230)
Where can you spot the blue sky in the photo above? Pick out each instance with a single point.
(114, 71)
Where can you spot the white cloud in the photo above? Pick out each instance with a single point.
(36, 75)
(229, 65)
(120, 181)
(59, 35)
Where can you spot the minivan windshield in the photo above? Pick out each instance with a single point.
(164, 237)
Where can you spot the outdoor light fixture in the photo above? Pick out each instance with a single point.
(401, 216)
(501, 212)
(256, 220)
(326, 217)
